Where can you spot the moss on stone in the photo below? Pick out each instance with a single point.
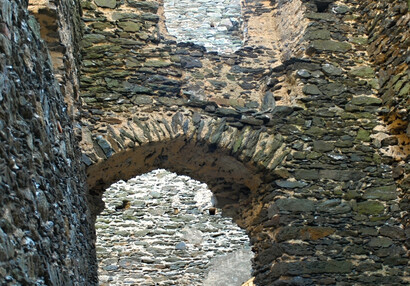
(370, 207)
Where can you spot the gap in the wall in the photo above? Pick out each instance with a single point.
(160, 229)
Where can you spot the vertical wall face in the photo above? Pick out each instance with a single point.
(388, 47)
(61, 32)
(318, 195)
(328, 210)
(45, 233)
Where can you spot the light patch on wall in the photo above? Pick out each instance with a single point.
(216, 25)
(157, 229)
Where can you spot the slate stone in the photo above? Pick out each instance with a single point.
(363, 72)
(323, 146)
(380, 242)
(384, 193)
(307, 174)
(321, 34)
(370, 207)
(331, 70)
(311, 89)
(150, 6)
(130, 26)
(333, 89)
(106, 3)
(251, 120)
(366, 100)
(282, 111)
(295, 205)
(228, 112)
(340, 9)
(330, 46)
(290, 184)
(303, 73)
(321, 16)
(190, 62)
(363, 135)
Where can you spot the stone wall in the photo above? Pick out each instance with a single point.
(156, 229)
(388, 47)
(316, 192)
(46, 236)
(304, 143)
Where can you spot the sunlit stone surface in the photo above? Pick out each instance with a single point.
(156, 230)
(216, 25)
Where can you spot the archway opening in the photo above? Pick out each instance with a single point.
(161, 228)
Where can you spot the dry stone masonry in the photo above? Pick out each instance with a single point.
(156, 229)
(46, 231)
(215, 25)
(302, 134)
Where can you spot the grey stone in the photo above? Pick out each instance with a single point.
(190, 62)
(227, 112)
(380, 242)
(321, 34)
(323, 146)
(251, 120)
(384, 193)
(105, 146)
(303, 73)
(331, 46)
(340, 9)
(331, 70)
(311, 89)
(268, 101)
(366, 100)
(106, 3)
(295, 205)
(290, 184)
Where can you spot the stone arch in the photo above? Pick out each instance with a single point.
(229, 160)
(326, 196)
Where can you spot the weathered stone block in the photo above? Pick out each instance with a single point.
(365, 100)
(130, 26)
(364, 72)
(306, 174)
(380, 242)
(311, 89)
(106, 3)
(370, 207)
(296, 205)
(363, 135)
(330, 46)
(384, 193)
(323, 146)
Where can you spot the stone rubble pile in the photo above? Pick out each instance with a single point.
(212, 24)
(156, 230)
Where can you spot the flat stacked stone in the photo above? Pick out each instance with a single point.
(156, 230)
(216, 25)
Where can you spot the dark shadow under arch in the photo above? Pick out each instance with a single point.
(230, 179)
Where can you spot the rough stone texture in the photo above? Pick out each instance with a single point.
(46, 232)
(216, 25)
(314, 169)
(156, 229)
(317, 173)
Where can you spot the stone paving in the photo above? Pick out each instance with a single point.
(216, 25)
(156, 230)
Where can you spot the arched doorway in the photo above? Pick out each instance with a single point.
(163, 229)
